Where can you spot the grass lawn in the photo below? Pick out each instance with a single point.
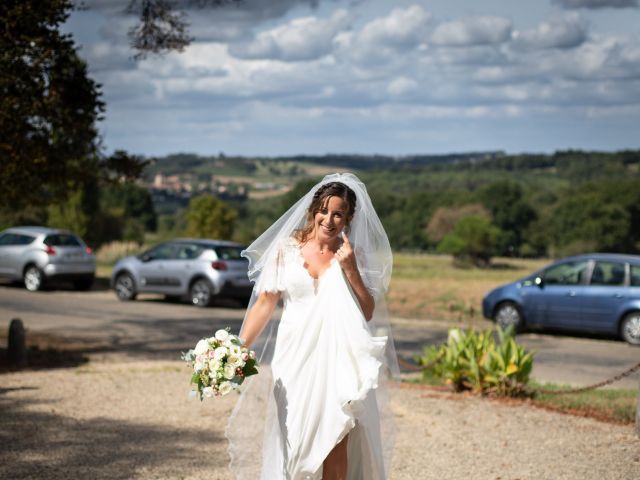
(429, 286)
(615, 405)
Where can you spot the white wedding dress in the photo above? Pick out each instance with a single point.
(325, 371)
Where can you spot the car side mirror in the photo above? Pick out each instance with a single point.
(146, 257)
(539, 282)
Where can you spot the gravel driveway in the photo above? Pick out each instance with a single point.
(123, 419)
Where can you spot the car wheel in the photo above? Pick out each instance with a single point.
(201, 293)
(125, 287)
(507, 315)
(83, 285)
(33, 278)
(630, 328)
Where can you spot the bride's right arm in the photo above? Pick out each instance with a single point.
(258, 316)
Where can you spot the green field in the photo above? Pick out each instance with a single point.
(429, 286)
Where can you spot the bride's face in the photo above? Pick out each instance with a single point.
(331, 219)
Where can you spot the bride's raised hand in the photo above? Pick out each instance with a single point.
(345, 256)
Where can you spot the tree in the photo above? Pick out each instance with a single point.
(48, 106)
(511, 214)
(209, 217)
(473, 238)
(162, 26)
(70, 214)
(444, 220)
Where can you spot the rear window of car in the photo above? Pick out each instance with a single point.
(635, 276)
(229, 253)
(62, 240)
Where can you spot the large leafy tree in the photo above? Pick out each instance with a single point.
(48, 106)
(210, 217)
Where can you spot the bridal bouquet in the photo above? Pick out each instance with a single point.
(220, 364)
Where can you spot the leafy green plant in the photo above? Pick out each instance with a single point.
(483, 362)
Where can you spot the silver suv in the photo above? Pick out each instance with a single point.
(36, 255)
(199, 270)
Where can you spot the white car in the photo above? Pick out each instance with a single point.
(37, 255)
(196, 269)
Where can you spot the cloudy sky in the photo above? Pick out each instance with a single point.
(281, 77)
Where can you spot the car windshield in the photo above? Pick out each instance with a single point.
(229, 253)
(62, 240)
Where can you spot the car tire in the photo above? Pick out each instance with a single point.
(508, 314)
(630, 328)
(201, 293)
(33, 278)
(125, 287)
(83, 285)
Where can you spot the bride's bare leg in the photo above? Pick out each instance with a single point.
(335, 465)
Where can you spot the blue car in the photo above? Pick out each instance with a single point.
(596, 293)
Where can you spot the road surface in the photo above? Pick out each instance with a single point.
(152, 328)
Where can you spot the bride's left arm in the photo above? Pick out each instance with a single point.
(347, 260)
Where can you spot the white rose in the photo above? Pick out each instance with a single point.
(235, 350)
(245, 356)
(207, 392)
(235, 361)
(222, 335)
(201, 347)
(225, 387)
(229, 371)
(220, 352)
(214, 365)
(198, 365)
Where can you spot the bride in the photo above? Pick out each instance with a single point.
(318, 409)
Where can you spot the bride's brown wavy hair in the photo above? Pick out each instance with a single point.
(320, 198)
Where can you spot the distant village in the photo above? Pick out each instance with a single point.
(181, 187)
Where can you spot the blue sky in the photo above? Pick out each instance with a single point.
(285, 77)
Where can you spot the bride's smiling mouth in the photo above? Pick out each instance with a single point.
(327, 228)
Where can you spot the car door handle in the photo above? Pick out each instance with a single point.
(617, 295)
(571, 294)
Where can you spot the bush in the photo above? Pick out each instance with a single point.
(473, 239)
(475, 361)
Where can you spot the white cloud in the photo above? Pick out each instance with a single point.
(402, 30)
(401, 86)
(480, 30)
(568, 31)
(594, 4)
(302, 39)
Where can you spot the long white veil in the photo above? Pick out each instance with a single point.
(245, 428)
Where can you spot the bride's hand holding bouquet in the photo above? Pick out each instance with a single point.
(220, 364)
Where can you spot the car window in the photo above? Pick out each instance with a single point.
(161, 252)
(569, 273)
(22, 239)
(188, 252)
(16, 239)
(635, 276)
(607, 273)
(6, 239)
(62, 240)
(229, 253)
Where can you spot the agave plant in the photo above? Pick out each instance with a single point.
(479, 362)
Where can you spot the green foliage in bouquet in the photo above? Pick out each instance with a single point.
(483, 362)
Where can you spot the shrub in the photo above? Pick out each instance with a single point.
(473, 238)
(479, 362)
